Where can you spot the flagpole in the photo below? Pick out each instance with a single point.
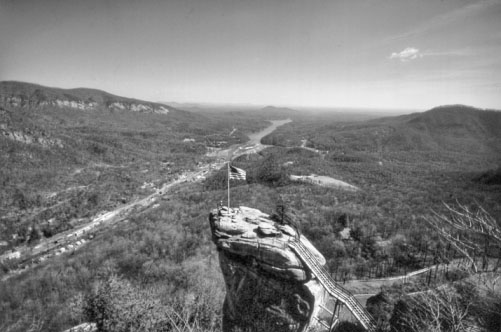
(228, 173)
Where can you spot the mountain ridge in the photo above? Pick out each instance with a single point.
(23, 94)
(460, 115)
(450, 127)
(441, 131)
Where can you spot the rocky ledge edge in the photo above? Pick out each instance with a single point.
(268, 287)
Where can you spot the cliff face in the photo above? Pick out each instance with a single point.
(33, 96)
(267, 286)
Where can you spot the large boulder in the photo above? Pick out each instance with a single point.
(268, 288)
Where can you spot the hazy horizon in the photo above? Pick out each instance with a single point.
(371, 54)
(231, 106)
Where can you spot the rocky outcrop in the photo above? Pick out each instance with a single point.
(268, 287)
(84, 327)
(33, 102)
(30, 139)
(135, 107)
(325, 181)
(29, 136)
(37, 97)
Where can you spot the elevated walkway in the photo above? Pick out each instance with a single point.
(340, 293)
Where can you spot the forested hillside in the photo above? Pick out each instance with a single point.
(157, 270)
(67, 154)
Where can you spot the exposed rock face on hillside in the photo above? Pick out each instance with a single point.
(26, 95)
(267, 286)
(16, 101)
(325, 181)
(29, 137)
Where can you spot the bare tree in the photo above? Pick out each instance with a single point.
(465, 229)
(436, 310)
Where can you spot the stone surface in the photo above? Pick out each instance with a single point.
(268, 288)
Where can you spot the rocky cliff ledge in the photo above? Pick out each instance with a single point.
(268, 288)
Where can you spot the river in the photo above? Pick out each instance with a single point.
(66, 241)
(252, 146)
(255, 138)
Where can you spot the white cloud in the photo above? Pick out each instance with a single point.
(410, 53)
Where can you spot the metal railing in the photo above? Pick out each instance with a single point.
(337, 291)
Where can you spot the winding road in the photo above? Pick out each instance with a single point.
(72, 239)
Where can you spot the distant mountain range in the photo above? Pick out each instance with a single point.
(20, 94)
(443, 133)
(269, 112)
(101, 145)
(73, 120)
(453, 127)
(29, 113)
(455, 119)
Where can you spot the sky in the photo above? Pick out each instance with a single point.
(384, 54)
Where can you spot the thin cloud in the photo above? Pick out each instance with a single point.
(442, 20)
(455, 53)
(408, 54)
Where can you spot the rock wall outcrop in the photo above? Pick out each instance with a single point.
(33, 102)
(268, 288)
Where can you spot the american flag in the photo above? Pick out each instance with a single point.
(237, 173)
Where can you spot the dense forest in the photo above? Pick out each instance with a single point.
(156, 270)
(61, 165)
